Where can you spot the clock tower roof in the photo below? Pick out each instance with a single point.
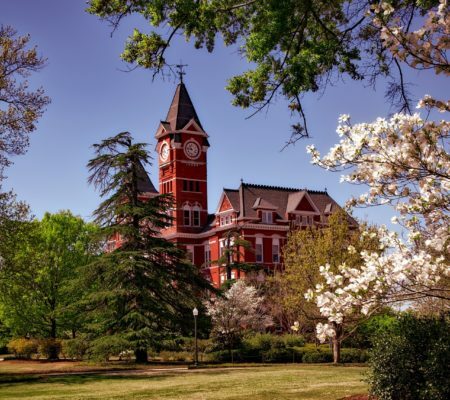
(181, 110)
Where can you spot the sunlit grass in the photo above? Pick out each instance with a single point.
(276, 382)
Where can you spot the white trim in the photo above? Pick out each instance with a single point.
(193, 163)
(266, 227)
(304, 213)
(308, 197)
(192, 122)
(223, 195)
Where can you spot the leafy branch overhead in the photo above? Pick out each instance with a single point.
(293, 46)
(20, 107)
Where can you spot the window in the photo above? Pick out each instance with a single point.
(276, 250)
(191, 186)
(167, 187)
(190, 253)
(304, 219)
(207, 254)
(196, 216)
(259, 250)
(266, 217)
(221, 247)
(226, 220)
(186, 216)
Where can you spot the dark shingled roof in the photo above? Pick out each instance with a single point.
(279, 197)
(145, 185)
(233, 196)
(181, 110)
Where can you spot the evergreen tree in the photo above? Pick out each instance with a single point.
(145, 287)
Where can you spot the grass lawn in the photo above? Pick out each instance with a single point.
(279, 382)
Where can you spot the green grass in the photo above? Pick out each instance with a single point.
(280, 382)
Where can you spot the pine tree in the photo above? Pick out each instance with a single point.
(145, 287)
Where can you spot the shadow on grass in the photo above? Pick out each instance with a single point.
(80, 379)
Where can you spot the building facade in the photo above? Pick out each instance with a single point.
(251, 222)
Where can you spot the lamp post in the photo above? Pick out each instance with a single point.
(195, 313)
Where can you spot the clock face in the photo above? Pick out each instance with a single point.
(192, 149)
(164, 152)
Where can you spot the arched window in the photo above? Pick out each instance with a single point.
(196, 215)
(186, 214)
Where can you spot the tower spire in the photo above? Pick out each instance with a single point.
(180, 71)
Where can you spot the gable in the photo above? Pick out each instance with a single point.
(305, 205)
(191, 128)
(226, 205)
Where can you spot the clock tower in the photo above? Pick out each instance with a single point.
(182, 147)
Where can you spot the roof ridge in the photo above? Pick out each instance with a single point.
(258, 186)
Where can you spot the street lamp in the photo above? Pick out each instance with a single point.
(195, 313)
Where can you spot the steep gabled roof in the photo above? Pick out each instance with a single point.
(249, 197)
(145, 185)
(233, 196)
(181, 110)
(263, 204)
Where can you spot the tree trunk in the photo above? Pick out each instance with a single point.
(141, 356)
(53, 328)
(337, 343)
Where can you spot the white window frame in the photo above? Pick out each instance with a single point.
(190, 253)
(259, 255)
(267, 217)
(207, 250)
(187, 208)
(275, 254)
(195, 210)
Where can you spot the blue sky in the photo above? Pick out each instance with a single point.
(93, 99)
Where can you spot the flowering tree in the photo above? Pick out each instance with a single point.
(405, 162)
(239, 309)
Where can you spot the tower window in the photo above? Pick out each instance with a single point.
(191, 186)
(186, 216)
(196, 217)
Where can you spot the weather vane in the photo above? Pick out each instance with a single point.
(181, 72)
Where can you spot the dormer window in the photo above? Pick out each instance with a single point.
(303, 220)
(266, 217)
(226, 220)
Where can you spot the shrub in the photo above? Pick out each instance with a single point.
(223, 356)
(410, 361)
(105, 347)
(23, 348)
(293, 340)
(262, 342)
(354, 356)
(176, 356)
(49, 348)
(278, 355)
(74, 348)
(317, 356)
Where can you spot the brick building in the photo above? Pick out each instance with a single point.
(261, 215)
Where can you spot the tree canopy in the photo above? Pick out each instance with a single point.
(40, 259)
(293, 46)
(20, 107)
